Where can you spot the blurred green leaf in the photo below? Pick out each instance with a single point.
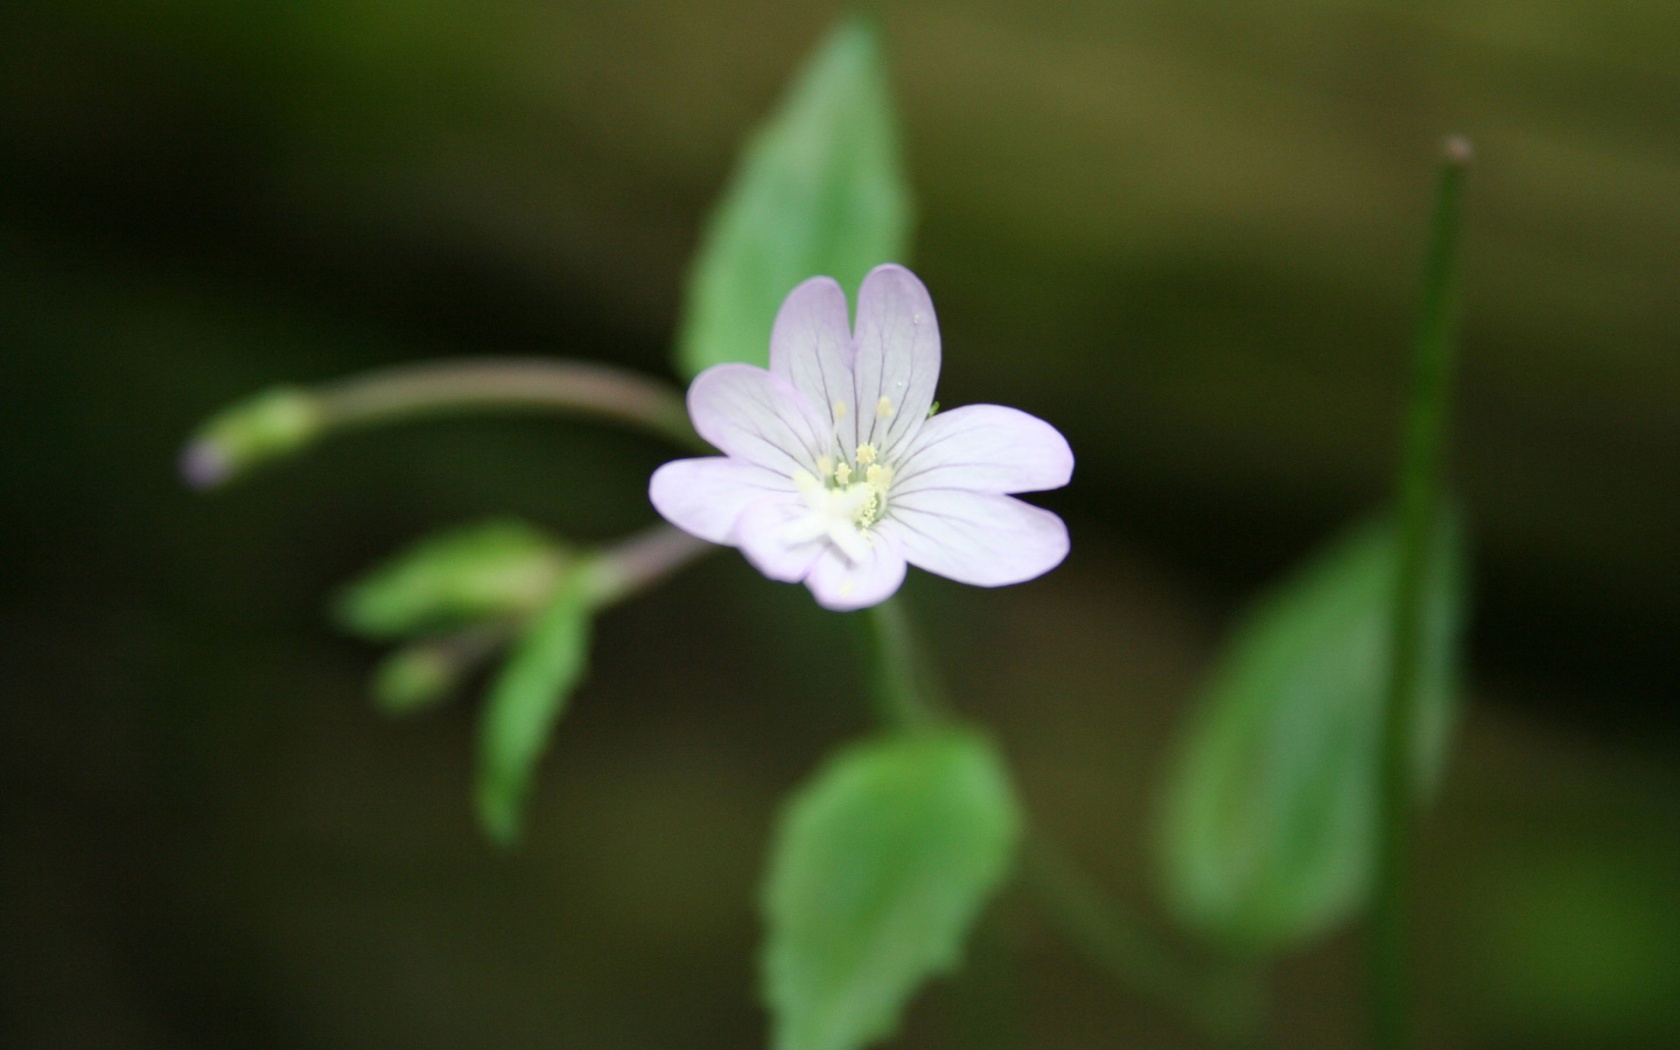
(495, 570)
(880, 867)
(820, 189)
(1269, 823)
(527, 700)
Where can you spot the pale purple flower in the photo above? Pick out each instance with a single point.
(836, 472)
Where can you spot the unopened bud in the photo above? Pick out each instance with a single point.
(268, 426)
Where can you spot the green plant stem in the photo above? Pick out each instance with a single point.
(1419, 498)
(905, 696)
(410, 391)
(1221, 1003)
(285, 420)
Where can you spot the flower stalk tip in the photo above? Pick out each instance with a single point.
(273, 424)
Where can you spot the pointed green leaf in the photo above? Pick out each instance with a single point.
(820, 189)
(495, 570)
(527, 700)
(880, 867)
(1269, 824)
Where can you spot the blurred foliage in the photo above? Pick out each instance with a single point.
(499, 570)
(881, 866)
(1270, 818)
(526, 701)
(819, 190)
(1186, 235)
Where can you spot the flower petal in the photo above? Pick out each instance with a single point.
(757, 416)
(811, 346)
(897, 365)
(978, 538)
(985, 448)
(704, 497)
(771, 532)
(841, 584)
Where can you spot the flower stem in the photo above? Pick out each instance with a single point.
(905, 696)
(408, 391)
(286, 420)
(642, 560)
(1419, 497)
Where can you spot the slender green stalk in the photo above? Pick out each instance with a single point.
(1419, 498)
(905, 696)
(285, 420)
(578, 387)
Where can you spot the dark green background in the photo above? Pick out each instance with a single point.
(1188, 234)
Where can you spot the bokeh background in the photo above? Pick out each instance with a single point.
(1189, 234)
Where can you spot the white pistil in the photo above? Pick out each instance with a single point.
(838, 508)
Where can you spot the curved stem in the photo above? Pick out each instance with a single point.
(408, 391)
(1420, 486)
(284, 420)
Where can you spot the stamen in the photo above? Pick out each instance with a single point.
(843, 474)
(839, 411)
(883, 408)
(865, 455)
(825, 465)
(878, 476)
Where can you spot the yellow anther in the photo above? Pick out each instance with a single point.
(883, 408)
(839, 410)
(870, 512)
(877, 475)
(866, 455)
(825, 465)
(843, 474)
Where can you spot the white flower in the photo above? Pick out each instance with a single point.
(834, 472)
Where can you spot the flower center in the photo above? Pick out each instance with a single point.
(844, 503)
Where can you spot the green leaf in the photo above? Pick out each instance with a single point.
(526, 701)
(1270, 817)
(495, 570)
(879, 869)
(820, 189)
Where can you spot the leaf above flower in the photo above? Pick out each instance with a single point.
(820, 188)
